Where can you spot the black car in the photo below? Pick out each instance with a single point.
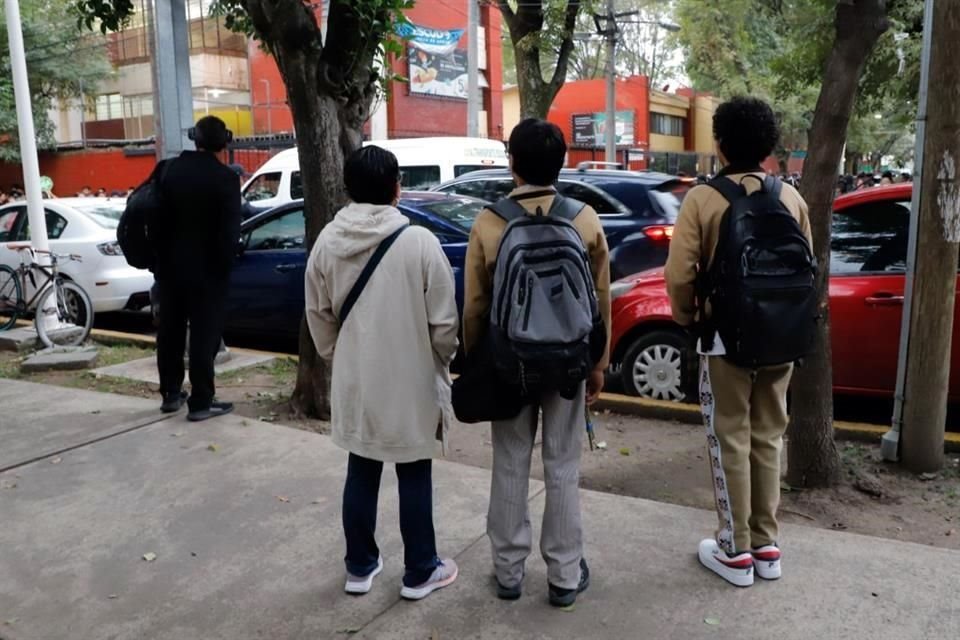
(637, 209)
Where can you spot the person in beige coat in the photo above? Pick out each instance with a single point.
(390, 392)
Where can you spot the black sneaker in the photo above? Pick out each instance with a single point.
(173, 401)
(215, 410)
(509, 593)
(566, 597)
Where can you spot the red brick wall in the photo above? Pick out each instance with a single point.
(72, 170)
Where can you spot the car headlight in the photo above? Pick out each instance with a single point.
(620, 287)
(110, 249)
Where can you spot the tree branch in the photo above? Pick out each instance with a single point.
(566, 46)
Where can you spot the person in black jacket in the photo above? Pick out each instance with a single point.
(196, 245)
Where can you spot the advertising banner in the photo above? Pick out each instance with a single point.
(589, 129)
(437, 67)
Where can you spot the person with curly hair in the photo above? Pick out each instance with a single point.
(745, 410)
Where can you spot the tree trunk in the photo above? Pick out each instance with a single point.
(935, 278)
(813, 460)
(536, 95)
(318, 119)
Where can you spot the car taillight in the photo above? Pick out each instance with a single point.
(659, 233)
(110, 249)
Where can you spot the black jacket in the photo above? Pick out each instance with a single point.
(200, 228)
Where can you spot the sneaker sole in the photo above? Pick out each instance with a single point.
(208, 415)
(767, 572)
(733, 576)
(362, 588)
(410, 593)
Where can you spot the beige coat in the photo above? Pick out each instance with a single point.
(391, 380)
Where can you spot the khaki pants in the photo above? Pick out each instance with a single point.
(745, 414)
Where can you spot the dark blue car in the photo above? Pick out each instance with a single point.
(637, 209)
(266, 287)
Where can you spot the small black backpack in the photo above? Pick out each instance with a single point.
(761, 286)
(144, 208)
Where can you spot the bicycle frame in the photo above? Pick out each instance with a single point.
(28, 267)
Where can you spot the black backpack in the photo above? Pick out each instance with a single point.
(137, 228)
(761, 287)
(544, 316)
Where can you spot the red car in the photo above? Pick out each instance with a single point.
(867, 265)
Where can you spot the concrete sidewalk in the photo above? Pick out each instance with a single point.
(244, 519)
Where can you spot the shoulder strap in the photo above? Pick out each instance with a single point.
(773, 186)
(508, 209)
(730, 190)
(566, 208)
(368, 270)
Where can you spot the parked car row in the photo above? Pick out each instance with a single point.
(867, 266)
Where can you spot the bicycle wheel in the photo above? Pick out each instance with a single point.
(10, 297)
(64, 315)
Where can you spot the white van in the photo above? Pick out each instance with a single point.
(425, 163)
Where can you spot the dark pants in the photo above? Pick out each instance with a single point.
(202, 305)
(416, 518)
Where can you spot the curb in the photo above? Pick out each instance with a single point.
(690, 414)
(113, 338)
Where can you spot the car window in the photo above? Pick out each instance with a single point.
(420, 178)
(284, 232)
(665, 203)
(474, 188)
(296, 186)
(601, 203)
(870, 238)
(459, 211)
(104, 213)
(8, 219)
(263, 187)
(55, 226)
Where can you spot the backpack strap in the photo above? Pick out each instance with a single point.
(566, 208)
(773, 186)
(508, 209)
(367, 272)
(730, 190)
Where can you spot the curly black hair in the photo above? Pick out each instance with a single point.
(746, 130)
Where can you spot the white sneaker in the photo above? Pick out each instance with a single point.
(766, 562)
(443, 576)
(737, 570)
(357, 585)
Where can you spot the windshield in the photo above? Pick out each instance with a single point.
(106, 214)
(666, 203)
(459, 211)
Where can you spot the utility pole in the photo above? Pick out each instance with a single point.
(173, 93)
(25, 130)
(929, 316)
(473, 69)
(611, 120)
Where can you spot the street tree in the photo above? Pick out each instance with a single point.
(542, 35)
(62, 65)
(331, 84)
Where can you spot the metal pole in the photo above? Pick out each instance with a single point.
(25, 129)
(611, 124)
(269, 104)
(473, 69)
(889, 444)
(172, 85)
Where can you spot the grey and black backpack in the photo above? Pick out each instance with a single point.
(544, 318)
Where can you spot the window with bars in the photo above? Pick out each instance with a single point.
(666, 125)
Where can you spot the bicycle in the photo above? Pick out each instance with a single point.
(63, 312)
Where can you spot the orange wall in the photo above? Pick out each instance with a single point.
(589, 96)
(275, 118)
(72, 170)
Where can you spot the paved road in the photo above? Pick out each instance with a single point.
(244, 520)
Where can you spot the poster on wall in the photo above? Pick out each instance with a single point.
(590, 129)
(437, 67)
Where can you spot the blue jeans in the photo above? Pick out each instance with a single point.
(360, 496)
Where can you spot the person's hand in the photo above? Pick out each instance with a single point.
(594, 385)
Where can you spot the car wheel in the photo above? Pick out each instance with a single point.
(655, 365)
